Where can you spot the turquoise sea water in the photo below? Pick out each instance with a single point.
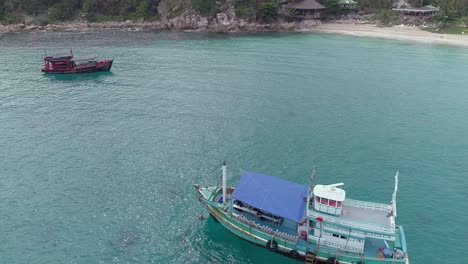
(99, 168)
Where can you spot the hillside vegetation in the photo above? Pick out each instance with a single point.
(42, 12)
(45, 11)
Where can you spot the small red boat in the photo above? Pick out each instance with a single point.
(67, 64)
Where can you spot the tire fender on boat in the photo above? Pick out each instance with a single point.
(272, 245)
(332, 260)
(294, 254)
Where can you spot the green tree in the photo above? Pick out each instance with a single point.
(143, 9)
(331, 6)
(2, 9)
(376, 4)
(386, 16)
(245, 8)
(205, 7)
(91, 6)
(269, 11)
(61, 11)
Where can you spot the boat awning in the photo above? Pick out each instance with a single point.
(88, 58)
(273, 195)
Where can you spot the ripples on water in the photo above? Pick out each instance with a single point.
(100, 167)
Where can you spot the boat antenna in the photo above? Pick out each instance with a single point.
(224, 179)
(310, 192)
(312, 179)
(310, 195)
(45, 53)
(71, 52)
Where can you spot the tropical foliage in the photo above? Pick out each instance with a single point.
(205, 7)
(46, 11)
(58, 10)
(269, 11)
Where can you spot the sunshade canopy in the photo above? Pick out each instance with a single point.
(273, 195)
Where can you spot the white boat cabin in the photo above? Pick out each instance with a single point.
(329, 199)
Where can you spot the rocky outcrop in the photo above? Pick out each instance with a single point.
(176, 15)
(192, 22)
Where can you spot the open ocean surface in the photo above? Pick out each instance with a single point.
(99, 168)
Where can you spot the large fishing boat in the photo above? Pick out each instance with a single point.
(66, 63)
(315, 223)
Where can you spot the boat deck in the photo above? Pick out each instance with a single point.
(373, 217)
(365, 214)
(371, 247)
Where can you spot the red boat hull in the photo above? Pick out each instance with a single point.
(100, 66)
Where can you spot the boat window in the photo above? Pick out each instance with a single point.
(317, 199)
(332, 203)
(335, 235)
(324, 201)
(343, 237)
(338, 204)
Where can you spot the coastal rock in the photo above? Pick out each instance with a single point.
(31, 27)
(133, 29)
(234, 26)
(231, 13)
(305, 24)
(202, 23)
(223, 19)
(242, 24)
(251, 27)
(288, 26)
(187, 22)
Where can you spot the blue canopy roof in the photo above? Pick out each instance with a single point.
(273, 195)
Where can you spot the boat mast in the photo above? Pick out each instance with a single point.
(310, 195)
(394, 195)
(224, 181)
(312, 179)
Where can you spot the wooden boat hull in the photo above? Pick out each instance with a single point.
(101, 66)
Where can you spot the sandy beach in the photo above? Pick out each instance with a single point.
(400, 32)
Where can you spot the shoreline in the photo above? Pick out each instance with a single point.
(400, 32)
(345, 27)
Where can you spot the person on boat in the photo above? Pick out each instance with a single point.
(258, 214)
(398, 253)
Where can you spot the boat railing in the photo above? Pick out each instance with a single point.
(371, 227)
(345, 248)
(266, 229)
(337, 249)
(255, 212)
(366, 205)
